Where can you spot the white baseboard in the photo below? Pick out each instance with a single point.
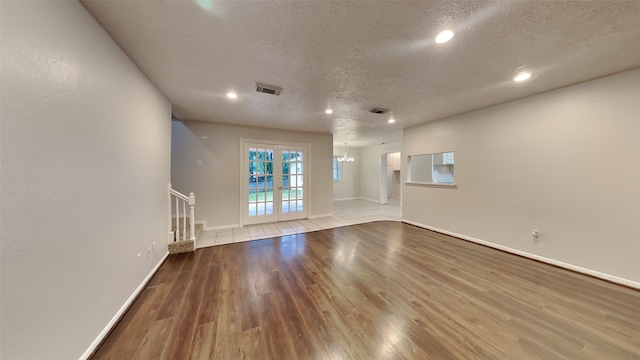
(224, 227)
(203, 223)
(235, 226)
(377, 201)
(579, 269)
(319, 216)
(205, 227)
(94, 345)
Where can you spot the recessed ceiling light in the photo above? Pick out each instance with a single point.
(232, 95)
(444, 36)
(328, 111)
(391, 121)
(522, 77)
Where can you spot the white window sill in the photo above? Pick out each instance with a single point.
(446, 186)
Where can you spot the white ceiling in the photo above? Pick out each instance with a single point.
(356, 55)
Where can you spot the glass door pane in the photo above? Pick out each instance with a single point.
(274, 183)
(293, 177)
(260, 188)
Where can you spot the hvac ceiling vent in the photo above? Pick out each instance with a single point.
(268, 89)
(379, 111)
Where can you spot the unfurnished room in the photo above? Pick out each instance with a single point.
(281, 179)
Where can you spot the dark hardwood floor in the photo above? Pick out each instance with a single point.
(382, 290)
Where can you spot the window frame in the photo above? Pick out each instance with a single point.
(336, 169)
(450, 185)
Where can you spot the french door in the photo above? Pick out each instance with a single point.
(274, 179)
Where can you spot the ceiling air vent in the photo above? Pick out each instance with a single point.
(268, 89)
(379, 111)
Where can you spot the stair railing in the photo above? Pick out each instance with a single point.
(182, 201)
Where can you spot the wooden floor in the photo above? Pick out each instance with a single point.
(383, 290)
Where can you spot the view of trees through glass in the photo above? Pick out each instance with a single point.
(261, 181)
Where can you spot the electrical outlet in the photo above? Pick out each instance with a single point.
(535, 236)
(149, 252)
(138, 260)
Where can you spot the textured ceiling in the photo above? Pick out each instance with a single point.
(356, 55)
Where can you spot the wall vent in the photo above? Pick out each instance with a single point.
(268, 89)
(379, 111)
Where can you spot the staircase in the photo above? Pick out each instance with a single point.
(186, 244)
(184, 232)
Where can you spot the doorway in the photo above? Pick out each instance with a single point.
(390, 165)
(274, 182)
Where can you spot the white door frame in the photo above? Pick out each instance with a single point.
(383, 185)
(243, 179)
(382, 191)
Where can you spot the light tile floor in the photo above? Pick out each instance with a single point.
(345, 212)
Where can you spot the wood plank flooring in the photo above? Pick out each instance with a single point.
(383, 290)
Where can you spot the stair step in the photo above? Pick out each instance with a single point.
(185, 244)
(182, 246)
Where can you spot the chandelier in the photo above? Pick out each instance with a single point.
(344, 157)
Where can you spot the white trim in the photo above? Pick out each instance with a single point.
(179, 194)
(278, 214)
(224, 227)
(308, 178)
(243, 186)
(446, 186)
(579, 269)
(372, 200)
(383, 183)
(319, 216)
(380, 180)
(351, 198)
(272, 142)
(94, 345)
(205, 227)
(203, 223)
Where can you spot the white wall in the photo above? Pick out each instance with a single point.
(85, 167)
(349, 185)
(370, 168)
(529, 164)
(217, 182)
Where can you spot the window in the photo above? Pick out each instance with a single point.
(336, 169)
(431, 169)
